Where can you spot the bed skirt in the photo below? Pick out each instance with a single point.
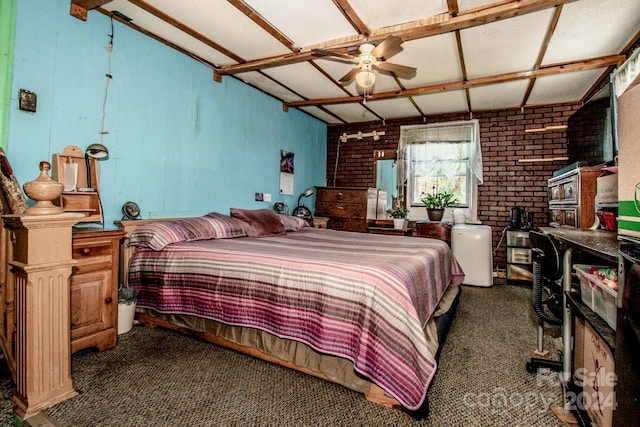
(299, 356)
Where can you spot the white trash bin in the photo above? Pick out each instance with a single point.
(126, 309)
(126, 313)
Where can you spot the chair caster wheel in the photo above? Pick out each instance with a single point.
(530, 368)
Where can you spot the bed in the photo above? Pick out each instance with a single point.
(367, 311)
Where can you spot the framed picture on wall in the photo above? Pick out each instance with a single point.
(286, 172)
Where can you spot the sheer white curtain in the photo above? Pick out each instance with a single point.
(466, 133)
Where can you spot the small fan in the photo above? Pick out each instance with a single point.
(371, 57)
(130, 210)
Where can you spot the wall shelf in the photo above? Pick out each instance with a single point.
(550, 128)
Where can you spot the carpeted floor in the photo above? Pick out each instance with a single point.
(156, 377)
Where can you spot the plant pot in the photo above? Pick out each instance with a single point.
(398, 223)
(435, 214)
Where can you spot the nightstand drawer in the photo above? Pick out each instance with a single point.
(92, 257)
(86, 251)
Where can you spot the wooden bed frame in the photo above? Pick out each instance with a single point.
(374, 393)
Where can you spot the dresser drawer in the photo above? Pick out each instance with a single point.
(570, 190)
(342, 210)
(342, 196)
(347, 224)
(519, 255)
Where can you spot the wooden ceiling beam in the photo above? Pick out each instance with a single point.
(568, 67)
(347, 11)
(543, 50)
(80, 8)
(422, 28)
(186, 29)
(264, 24)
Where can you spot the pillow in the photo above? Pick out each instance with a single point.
(293, 223)
(222, 226)
(259, 222)
(158, 235)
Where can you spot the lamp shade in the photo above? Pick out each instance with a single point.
(97, 151)
(365, 79)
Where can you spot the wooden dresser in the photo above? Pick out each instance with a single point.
(350, 208)
(94, 288)
(434, 230)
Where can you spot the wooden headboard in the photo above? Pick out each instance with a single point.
(129, 226)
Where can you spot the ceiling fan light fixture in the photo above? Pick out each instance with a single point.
(365, 79)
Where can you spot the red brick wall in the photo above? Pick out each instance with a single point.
(507, 183)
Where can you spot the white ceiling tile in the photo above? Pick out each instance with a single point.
(592, 28)
(563, 87)
(306, 80)
(435, 58)
(393, 108)
(384, 13)
(502, 95)
(504, 46)
(267, 85)
(218, 20)
(321, 115)
(159, 27)
(351, 112)
(443, 102)
(294, 18)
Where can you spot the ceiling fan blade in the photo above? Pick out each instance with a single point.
(400, 70)
(350, 75)
(336, 55)
(388, 47)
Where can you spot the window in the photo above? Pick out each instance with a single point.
(441, 156)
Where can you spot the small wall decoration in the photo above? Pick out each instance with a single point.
(27, 101)
(286, 172)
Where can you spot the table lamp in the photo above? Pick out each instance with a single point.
(94, 151)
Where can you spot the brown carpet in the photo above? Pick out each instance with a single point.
(156, 377)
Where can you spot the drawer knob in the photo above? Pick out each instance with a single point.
(339, 196)
(108, 300)
(432, 232)
(86, 251)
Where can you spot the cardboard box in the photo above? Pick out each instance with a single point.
(598, 395)
(628, 170)
(607, 189)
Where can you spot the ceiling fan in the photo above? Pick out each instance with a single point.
(371, 57)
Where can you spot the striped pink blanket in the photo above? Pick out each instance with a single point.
(359, 296)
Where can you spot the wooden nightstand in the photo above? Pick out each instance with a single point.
(435, 230)
(94, 288)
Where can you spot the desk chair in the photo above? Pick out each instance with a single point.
(547, 271)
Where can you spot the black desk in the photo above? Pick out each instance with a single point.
(604, 245)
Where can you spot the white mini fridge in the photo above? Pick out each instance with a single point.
(471, 245)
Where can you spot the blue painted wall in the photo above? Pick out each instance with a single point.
(178, 141)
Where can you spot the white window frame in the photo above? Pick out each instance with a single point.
(474, 177)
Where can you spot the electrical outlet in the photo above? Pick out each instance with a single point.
(259, 197)
(267, 197)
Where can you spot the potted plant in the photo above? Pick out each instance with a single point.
(399, 215)
(437, 202)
